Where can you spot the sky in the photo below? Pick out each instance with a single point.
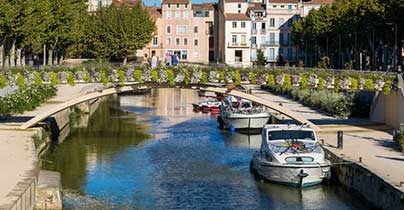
(158, 2)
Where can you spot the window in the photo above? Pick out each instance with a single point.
(155, 41)
(242, 24)
(184, 55)
(178, 6)
(272, 22)
(282, 6)
(281, 38)
(234, 39)
(272, 39)
(185, 14)
(177, 41)
(263, 26)
(274, 6)
(186, 5)
(177, 14)
(168, 42)
(271, 54)
(185, 41)
(99, 4)
(168, 5)
(168, 30)
(182, 30)
(254, 26)
(195, 42)
(239, 6)
(281, 21)
(243, 39)
(263, 40)
(168, 15)
(238, 55)
(253, 40)
(234, 24)
(289, 7)
(281, 52)
(195, 29)
(201, 13)
(254, 55)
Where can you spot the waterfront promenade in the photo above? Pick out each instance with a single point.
(370, 141)
(18, 155)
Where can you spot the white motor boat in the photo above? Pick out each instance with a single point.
(207, 106)
(291, 155)
(246, 117)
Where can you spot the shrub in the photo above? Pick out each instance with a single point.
(3, 81)
(138, 76)
(303, 81)
(170, 77)
(271, 80)
(121, 75)
(154, 75)
(237, 78)
(288, 82)
(204, 77)
(87, 76)
(37, 78)
(221, 76)
(54, 78)
(70, 78)
(104, 78)
(20, 81)
(387, 87)
(187, 77)
(321, 83)
(354, 83)
(253, 78)
(399, 137)
(369, 84)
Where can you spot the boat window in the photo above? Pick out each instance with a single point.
(299, 159)
(291, 134)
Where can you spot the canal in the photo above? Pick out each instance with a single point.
(153, 152)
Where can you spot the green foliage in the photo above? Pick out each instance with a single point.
(3, 81)
(261, 61)
(170, 77)
(70, 78)
(321, 83)
(387, 87)
(154, 75)
(39, 140)
(121, 75)
(253, 77)
(337, 84)
(303, 81)
(369, 85)
(20, 81)
(237, 77)
(270, 80)
(138, 76)
(399, 137)
(204, 78)
(221, 76)
(37, 78)
(87, 76)
(287, 84)
(187, 77)
(104, 78)
(54, 78)
(354, 83)
(26, 99)
(117, 32)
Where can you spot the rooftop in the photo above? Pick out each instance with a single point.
(318, 2)
(203, 6)
(175, 2)
(118, 3)
(256, 6)
(283, 1)
(236, 16)
(235, 1)
(154, 12)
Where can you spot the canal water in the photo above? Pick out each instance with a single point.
(153, 152)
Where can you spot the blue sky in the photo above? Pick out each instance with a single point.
(158, 2)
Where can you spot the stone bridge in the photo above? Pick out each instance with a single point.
(136, 86)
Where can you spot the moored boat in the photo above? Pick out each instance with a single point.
(291, 155)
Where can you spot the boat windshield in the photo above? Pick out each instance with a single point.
(291, 134)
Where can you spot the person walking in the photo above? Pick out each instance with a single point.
(154, 61)
(168, 59)
(175, 60)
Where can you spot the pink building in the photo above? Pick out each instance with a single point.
(183, 29)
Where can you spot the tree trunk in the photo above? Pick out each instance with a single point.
(44, 55)
(55, 58)
(50, 57)
(23, 59)
(6, 62)
(1, 55)
(12, 54)
(18, 57)
(125, 61)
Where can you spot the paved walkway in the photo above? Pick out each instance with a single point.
(17, 150)
(377, 149)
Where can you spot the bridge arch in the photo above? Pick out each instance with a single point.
(136, 86)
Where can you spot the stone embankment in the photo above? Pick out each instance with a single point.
(22, 185)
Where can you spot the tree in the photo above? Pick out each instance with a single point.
(117, 32)
(261, 61)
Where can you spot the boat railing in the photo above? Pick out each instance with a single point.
(288, 148)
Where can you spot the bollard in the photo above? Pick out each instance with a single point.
(340, 139)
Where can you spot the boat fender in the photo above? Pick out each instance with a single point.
(302, 174)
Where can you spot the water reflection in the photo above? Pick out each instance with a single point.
(159, 154)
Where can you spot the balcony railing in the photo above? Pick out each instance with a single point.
(254, 31)
(263, 31)
(237, 44)
(254, 46)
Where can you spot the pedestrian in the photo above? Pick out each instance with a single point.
(154, 61)
(175, 60)
(168, 59)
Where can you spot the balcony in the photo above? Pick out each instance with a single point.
(237, 45)
(272, 44)
(263, 31)
(254, 31)
(254, 46)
